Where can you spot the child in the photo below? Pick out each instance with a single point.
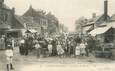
(9, 57)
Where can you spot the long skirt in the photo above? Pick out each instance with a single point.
(54, 51)
(60, 51)
(77, 51)
(38, 52)
(50, 50)
(83, 51)
(2, 46)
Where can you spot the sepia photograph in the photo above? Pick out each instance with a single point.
(57, 35)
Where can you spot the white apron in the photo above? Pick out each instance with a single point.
(77, 50)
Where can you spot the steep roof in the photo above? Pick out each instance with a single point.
(17, 24)
(5, 6)
(92, 21)
(95, 19)
(112, 17)
(51, 17)
(28, 21)
(98, 20)
(31, 12)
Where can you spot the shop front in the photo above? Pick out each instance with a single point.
(14, 33)
(105, 37)
(3, 29)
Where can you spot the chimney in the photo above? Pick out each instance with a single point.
(94, 15)
(30, 6)
(106, 7)
(13, 10)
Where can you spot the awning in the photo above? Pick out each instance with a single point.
(99, 30)
(4, 27)
(11, 30)
(111, 24)
(87, 28)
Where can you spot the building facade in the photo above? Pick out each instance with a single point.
(97, 21)
(35, 20)
(9, 25)
(103, 26)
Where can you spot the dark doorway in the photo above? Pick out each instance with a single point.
(109, 36)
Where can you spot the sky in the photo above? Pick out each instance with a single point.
(67, 11)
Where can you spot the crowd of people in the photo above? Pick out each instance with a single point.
(62, 46)
(50, 46)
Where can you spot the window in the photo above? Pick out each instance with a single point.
(3, 15)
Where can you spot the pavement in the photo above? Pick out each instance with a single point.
(32, 63)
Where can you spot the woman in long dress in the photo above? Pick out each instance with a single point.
(2, 43)
(38, 49)
(77, 50)
(50, 47)
(21, 47)
(60, 49)
(54, 49)
(82, 49)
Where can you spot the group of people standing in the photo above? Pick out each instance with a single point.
(46, 47)
(2, 42)
(54, 46)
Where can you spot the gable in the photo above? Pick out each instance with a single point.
(101, 20)
(17, 24)
(31, 12)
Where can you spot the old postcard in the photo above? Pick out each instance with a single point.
(57, 35)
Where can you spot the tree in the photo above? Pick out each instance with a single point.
(79, 23)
